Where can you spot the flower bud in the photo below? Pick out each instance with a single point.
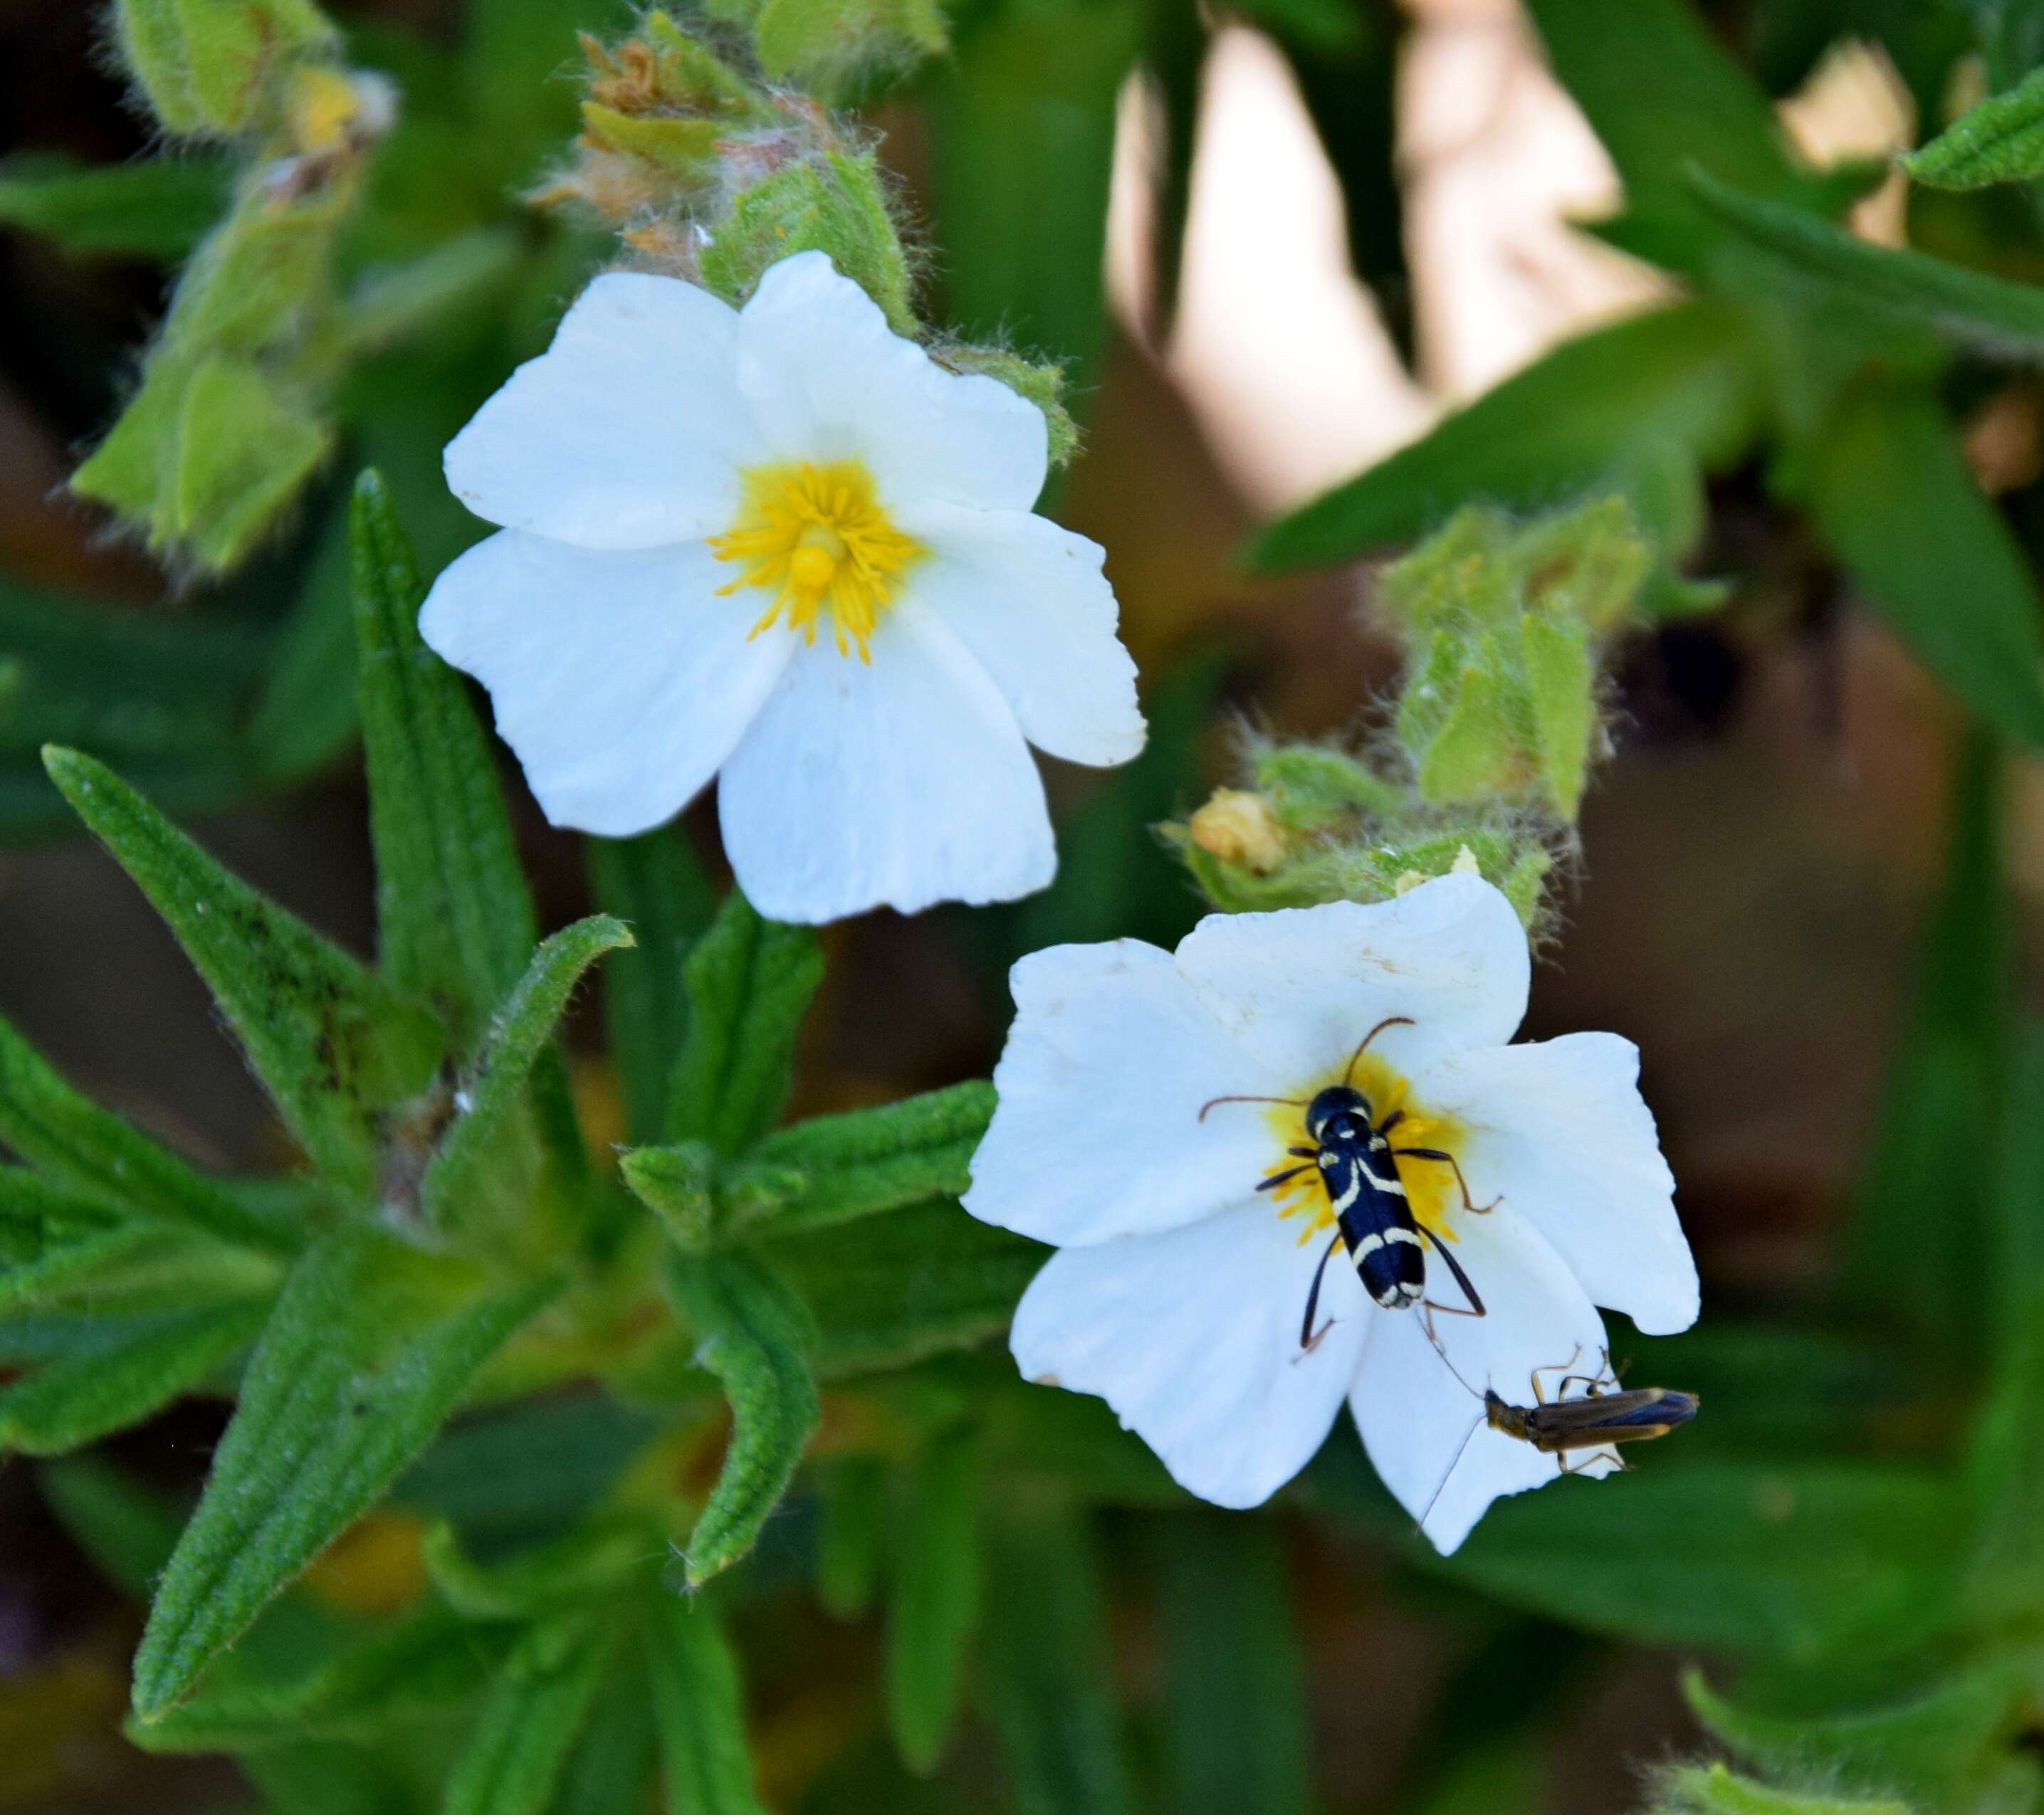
(1238, 827)
(208, 67)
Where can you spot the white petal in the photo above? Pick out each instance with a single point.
(1301, 987)
(1415, 1415)
(627, 432)
(1560, 1129)
(1030, 601)
(829, 380)
(1193, 1337)
(897, 783)
(619, 676)
(1098, 1132)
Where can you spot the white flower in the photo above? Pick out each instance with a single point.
(1178, 1288)
(783, 544)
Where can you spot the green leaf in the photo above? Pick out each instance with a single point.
(331, 1043)
(1891, 492)
(540, 1579)
(1678, 389)
(159, 208)
(655, 884)
(126, 1530)
(750, 982)
(1713, 1789)
(1236, 1679)
(678, 1185)
(852, 1538)
(74, 1402)
(698, 1706)
(751, 1333)
(2017, 1264)
(900, 1287)
(835, 1168)
(1935, 1138)
(1989, 314)
(933, 1598)
(86, 1148)
(612, 1764)
(1046, 1690)
(1943, 1744)
(493, 1083)
(1779, 1560)
(1999, 139)
(1022, 141)
(369, 1349)
(532, 1717)
(51, 1239)
(424, 1669)
(455, 918)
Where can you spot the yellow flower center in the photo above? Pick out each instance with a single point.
(1431, 1190)
(817, 538)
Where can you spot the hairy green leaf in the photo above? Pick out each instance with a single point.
(698, 1705)
(370, 1347)
(159, 208)
(1236, 1679)
(425, 1668)
(1045, 1656)
(833, 1168)
(534, 1713)
(330, 1042)
(1943, 1744)
(455, 918)
(538, 1579)
(750, 982)
(76, 1400)
(1999, 139)
(493, 1083)
(1891, 492)
(678, 1185)
(933, 1598)
(752, 1332)
(1685, 386)
(655, 885)
(1715, 1790)
(1989, 314)
(51, 1239)
(93, 1152)
(911, 1284)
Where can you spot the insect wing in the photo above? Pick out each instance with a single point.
(1597, 1418)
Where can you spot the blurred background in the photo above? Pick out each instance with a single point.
(1374, 207)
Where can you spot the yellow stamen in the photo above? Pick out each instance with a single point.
(1429, 1187)
(817, 537)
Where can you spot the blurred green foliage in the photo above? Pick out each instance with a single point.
(629, 1418)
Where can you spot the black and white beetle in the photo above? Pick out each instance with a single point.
(1373, 1218)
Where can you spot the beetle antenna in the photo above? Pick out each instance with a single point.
(1435, 1342)
(1355, 1057)
(1293, 1102)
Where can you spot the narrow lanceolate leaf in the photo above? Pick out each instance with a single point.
(424, 1669)
(933, 1601)
(76, 1400)
(532, 1717)
(81, 1146)
(698, 1707)
(851, 1541)
(51, 1239)
(540, 1577)
(655, 885)
(911, 1284)
(749, 984)
(1046, 1652)
(454, 915)
(832, 1169)
(2001, 140)
(1892, 494)
(157, 209)
(1613, 407)
(368, 1350)
(752, 1332)
(1236, 1679)
(331, 1042)
(1989, 314)
(521, 1032)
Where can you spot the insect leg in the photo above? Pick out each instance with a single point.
(1462, 1279)
(1309, 1339)
(1277, 1178)
(1303, 1153)
(1539, 1394)
(1449, 1159)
